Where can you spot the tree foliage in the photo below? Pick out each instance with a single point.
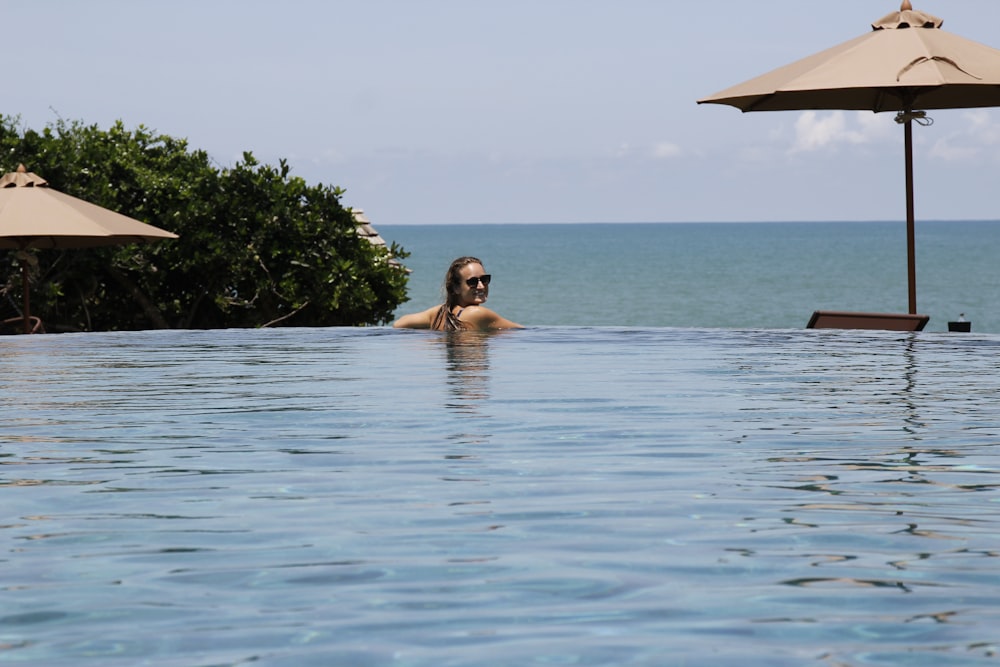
(257, 246)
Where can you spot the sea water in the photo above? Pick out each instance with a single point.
(555, 496)
(744, 275)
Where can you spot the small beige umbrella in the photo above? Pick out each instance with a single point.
(33, 215)
(906, 64)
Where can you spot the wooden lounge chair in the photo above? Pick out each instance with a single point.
(11, 318)
(835, 319)
(15, 325)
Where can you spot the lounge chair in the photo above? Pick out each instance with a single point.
(12, 321)
(15, 325)
(836, 319)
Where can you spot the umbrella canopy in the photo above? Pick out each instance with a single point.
(906, 64)
(33, 215)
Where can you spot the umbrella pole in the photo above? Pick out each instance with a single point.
(911, 258)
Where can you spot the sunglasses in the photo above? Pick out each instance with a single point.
(473, 282)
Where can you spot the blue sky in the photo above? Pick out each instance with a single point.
(469, 111)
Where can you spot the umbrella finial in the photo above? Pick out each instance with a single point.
(906, 6)
(22, 178)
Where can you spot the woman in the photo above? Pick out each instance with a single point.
(466, 287)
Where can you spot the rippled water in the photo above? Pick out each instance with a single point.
(554, 496)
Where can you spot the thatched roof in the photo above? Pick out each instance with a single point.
(366, 230)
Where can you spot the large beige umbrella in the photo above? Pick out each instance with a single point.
(33, 215)
(906, 64)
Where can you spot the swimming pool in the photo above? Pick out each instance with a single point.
(553, 496)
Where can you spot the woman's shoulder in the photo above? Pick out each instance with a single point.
(475, 313)
(483, 317)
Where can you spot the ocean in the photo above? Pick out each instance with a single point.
(728, 275)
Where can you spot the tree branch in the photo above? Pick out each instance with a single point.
(149, 310)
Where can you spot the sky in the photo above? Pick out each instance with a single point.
(520, 111)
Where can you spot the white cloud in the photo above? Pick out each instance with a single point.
(814, 131)
(953, 151)
(981, 124)
(665, 150)
(976, 131)
(877, 126)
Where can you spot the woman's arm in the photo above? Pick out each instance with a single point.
(416, 320)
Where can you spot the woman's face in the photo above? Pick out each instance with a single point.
(475, 294)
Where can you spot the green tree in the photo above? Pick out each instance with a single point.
(257, 246)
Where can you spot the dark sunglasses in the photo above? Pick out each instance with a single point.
(473, 282)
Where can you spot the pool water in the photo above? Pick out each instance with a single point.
(552, 496)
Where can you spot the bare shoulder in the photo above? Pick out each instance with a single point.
(482, 317)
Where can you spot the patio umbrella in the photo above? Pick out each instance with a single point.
(906, 64)
(33, 215)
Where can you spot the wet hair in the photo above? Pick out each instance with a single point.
(445, 320)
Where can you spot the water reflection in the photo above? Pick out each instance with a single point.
(874, 445)
(911, 419)
(468, 364)
(467, 382)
